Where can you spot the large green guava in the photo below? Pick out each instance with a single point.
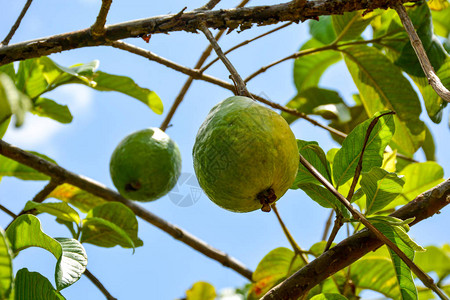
(245, 155)
(145, 165)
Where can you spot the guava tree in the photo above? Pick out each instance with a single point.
(373, 183)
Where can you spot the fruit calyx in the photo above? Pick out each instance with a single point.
(266, 198)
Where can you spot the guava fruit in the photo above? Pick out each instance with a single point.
(145, 165)
(245, 155)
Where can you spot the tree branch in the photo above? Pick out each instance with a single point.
(98, 28)
(417, 45)
(242, 18)
(99, 285)
(351, 249)
(16, 24)
(95, 188)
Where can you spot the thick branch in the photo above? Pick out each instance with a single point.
(242, 18)
(102, 191)
(351, 249)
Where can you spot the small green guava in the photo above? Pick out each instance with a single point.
(245, 155)
(145, 165)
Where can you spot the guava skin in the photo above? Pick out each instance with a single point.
(244, 150)
(145, 165)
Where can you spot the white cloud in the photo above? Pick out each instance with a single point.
(39, 131)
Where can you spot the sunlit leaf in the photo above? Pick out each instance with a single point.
(9, 70)
(428, 146)
(405, 280)
(309, 99)
(346, 159)
(322, 30)
(339, 112)
(26, 231)
(312, 152)
(60, 210)
(308, 69)
(4, 126)
(389, 161)
(357, 116)
(6, 269)
(32, 285)
(109, 225)
(48, 108)
(12, 101)
(380, 188)
(77, 197)
(438, 4)
(277, 265)
(201, 291)
(329, 296)
(72, 263)
(324, 198)
(351, 25)
(435, 259)
(373, 75)
(9, 167)
(441, 22)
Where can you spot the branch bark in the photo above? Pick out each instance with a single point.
(58, 173)
(98, 28)
(237, 18)
(351, 249)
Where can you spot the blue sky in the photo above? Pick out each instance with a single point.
(164, 268)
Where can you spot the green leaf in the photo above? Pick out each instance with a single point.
(357, 116)
(72, 263)
(420, 177)
(428, 146)
(48, 108)
(324, 198)
(351, 25)
(9, 70)
(60, 210)
(276, 266)
(309, 68)
(308, 100)
(109, 225)
(328, 296)
(346, 159)
(373, 75)
(312, 152)
(9, 167)
(125, 85)
(434, 259)
(4, 126)
(405, 280)
(375, 272)
(6, 269)
(380, 187)
(79, 198)
(12, 101)
(30, 77)
(339, 112)
(26, 231)
(322, 30)
(441, 22)
(32, 285)
(438, 4)
(201, 291)
(404, 56)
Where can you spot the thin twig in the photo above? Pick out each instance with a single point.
(246, 42)
(288, 235)
(240, 84)
(8, 211)
(210, 5)
(16, 24)
(98, 28)
(95, 188)
(337, 225)
(417, 45)
(427, 280)
(99, 285)
(351, 249)
(327, 225)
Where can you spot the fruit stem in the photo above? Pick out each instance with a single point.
(291, 240)
(266, 198)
